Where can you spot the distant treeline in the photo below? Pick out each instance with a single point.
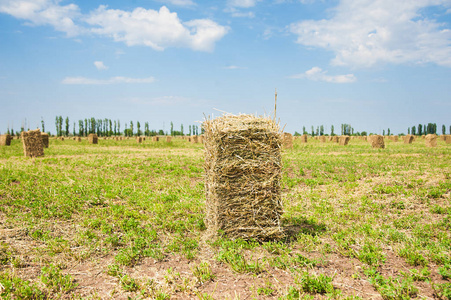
(106, 127)
(347, 129)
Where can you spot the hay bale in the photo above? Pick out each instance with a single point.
(243, 165)
(139, 140)
(408, 139)
(5, 140)
(45, 139)
(194, 139)
(168, 139)
(377, 141)
(335, 139)
(322, 139)
(78, 139)
(448, 139)
(344, 140)
(32, 143)
(287, 140)
(303, 138)
(155, 139)
(92, 138)
(431, 140)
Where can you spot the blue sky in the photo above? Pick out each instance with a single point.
(372, 64)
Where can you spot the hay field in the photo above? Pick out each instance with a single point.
(121, 220)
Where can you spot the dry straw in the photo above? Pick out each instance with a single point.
(155, 139)
(322, 139)
(344, 140)
(32, 143)
(168, 139)
(5, 140)
(431, 140)
(139, 140)
(408, 139)
(377, 141)
(287, 140)
(194, 139)
(92, 138)
(45, 139)
(304, 138)
(243, 166)
(448, 139)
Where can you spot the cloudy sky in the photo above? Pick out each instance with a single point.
(372, 64)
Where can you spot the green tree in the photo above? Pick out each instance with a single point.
(138, 125)
(303, 130)
(189, 133)
(388, 131)
(383, 132)
(413, 130)
(313, 131)
(332, 130)
(321, 130)
(172, 128)
(80, 128)
(443, 129)
(43, 127)
(67, 126)
(181, 129)
(420, 129)
(74, 129)
(408, 130)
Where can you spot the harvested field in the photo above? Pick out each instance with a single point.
(124, 220)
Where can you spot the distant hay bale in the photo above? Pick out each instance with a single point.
(287, 140)
(408, 139)
(303, 138)
(243, 165)
(335, 139)
(443, 137)
(377, 141)
(45, 139)
(32, 143)
(344, 140)
(78, 139)
(431, 140)
(194, 139)
(92, 138)
(5, 140)
(155, 139)
(448, 139)
(62, 138)
(322, 139)
(168, 139)
(139, 140)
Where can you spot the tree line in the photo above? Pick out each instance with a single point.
(105, 128)
(347, 129)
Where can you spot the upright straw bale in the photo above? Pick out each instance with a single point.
(139, 140)
(408, 139)
(377, 141)
(243, 165)
(431, 140)
(304, 138)
(443, 137)
(5, 140)
(78, 139)
(45, 139)
(344, 140)
(93, 138)
(448, 139)
(335, 139)
(287, 140)
(322, 139)
(168, 139)
(194, 139)
(32, 143)
(155, 139)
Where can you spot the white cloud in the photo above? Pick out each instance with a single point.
(155, 29)
(178, 2)
(317, 74)
(239, 14)
(100, 66)
(242, 3)
(44, 12)
(234, 68)
(365, 33)
(113, 80)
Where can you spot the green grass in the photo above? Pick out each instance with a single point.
(121, 207)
